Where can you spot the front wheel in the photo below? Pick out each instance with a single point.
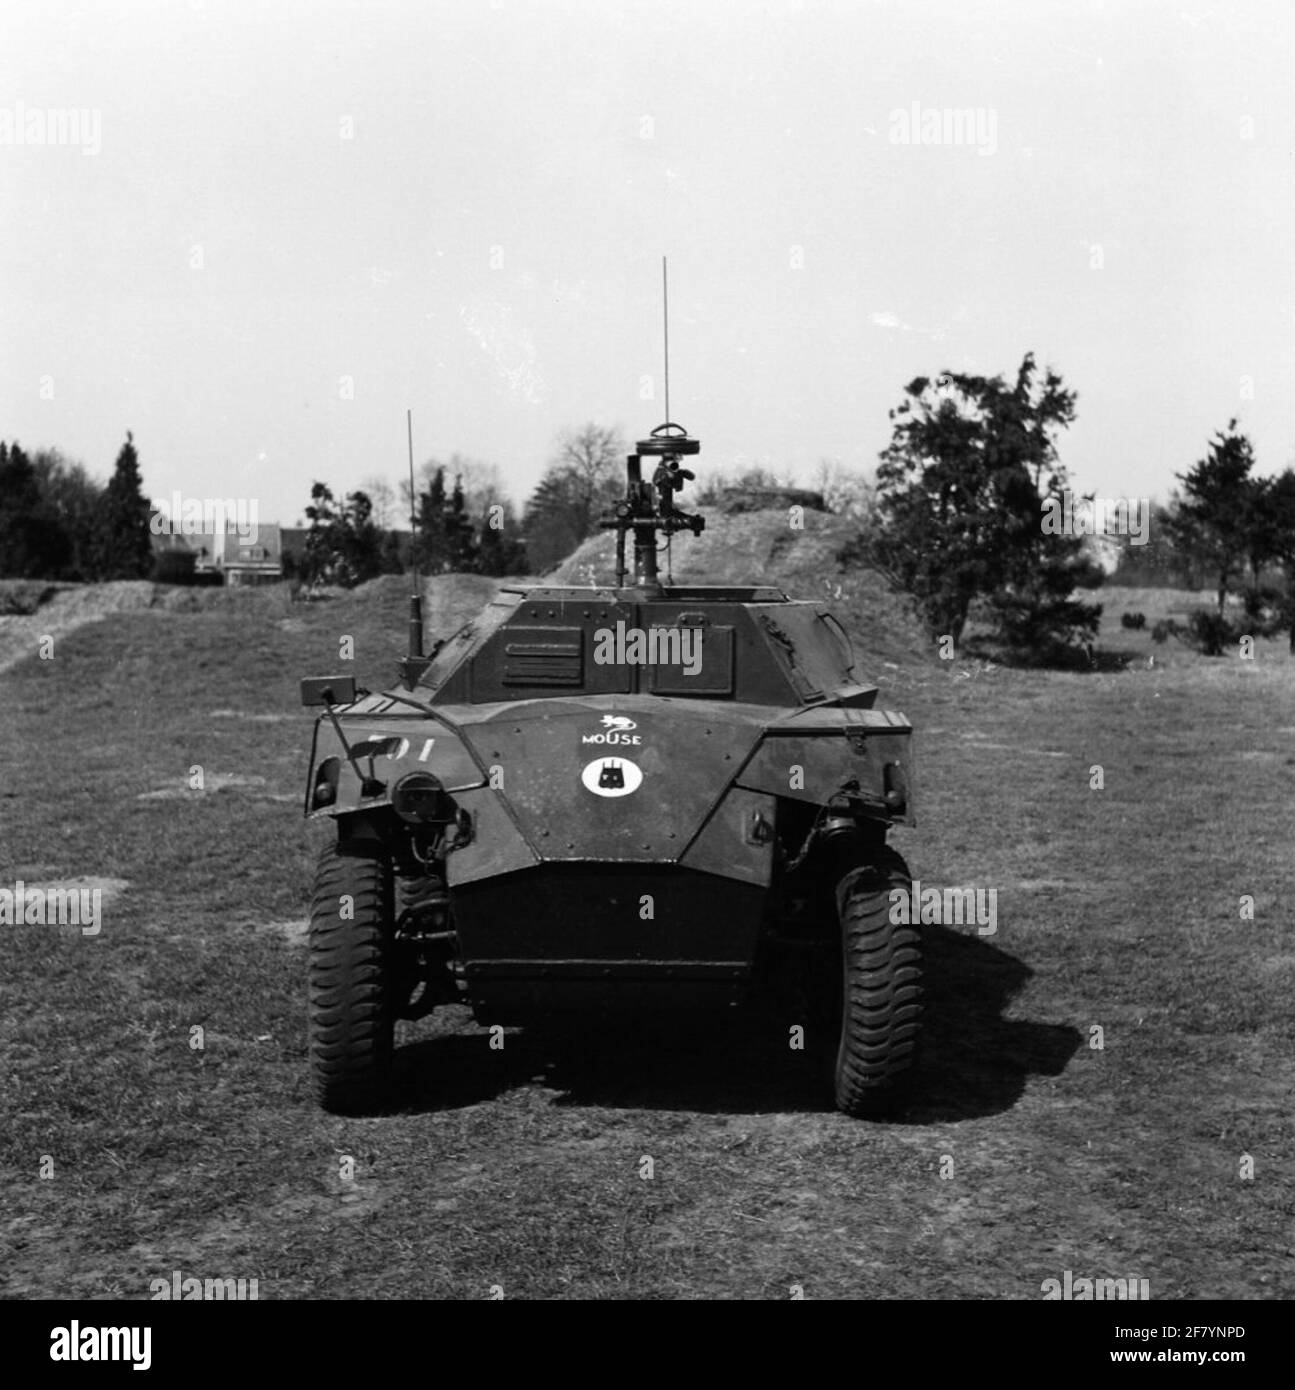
(878, 1006)
(351, 982)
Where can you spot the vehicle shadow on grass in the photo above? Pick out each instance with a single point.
(974, 1062)
(737, 1063)
(454, 1070)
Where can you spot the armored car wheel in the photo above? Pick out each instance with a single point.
(878, 1001)
(352, 999)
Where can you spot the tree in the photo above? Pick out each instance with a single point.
(76, 501)
(501, 550)
(390, 522)
(343, 546)
(460, 537)
(391, 554)
(549, 523)
(362, 538)
(321, 552)
(32, 543)
(1217, 517)
(382, 497)
(580, 483)
(588, 458)
(961, 493)
(445, 538)
(1159, 563)
(125, 550)
(472, 527)
(1281, 511)
(481, 482)
(431, 547)
(847, 492)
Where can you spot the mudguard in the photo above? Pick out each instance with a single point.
(387, 740)
(829, 751)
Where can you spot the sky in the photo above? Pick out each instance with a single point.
(276, 226)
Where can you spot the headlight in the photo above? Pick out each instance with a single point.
(421, 797)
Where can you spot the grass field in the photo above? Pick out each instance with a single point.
(1029, 1151)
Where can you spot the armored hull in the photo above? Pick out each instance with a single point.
(638, 797)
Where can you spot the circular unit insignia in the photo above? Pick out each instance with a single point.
(612, 776)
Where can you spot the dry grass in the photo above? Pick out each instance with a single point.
(1118, 909)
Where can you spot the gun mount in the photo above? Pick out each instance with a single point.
(648, 507)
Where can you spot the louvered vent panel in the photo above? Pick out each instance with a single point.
(544, 656)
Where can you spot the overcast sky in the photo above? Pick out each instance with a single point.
(286, 222)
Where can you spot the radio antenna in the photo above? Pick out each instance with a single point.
(409, 425)
(665, 316)
(414, 661)
(648, 507)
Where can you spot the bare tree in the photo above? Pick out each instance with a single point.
(580, 483)
(482, 484)
(382, 497)
(846, 491)
(587, 460)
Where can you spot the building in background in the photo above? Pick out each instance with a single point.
(237, 560)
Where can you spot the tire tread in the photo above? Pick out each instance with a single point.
(352, 1024)
(881, 1011)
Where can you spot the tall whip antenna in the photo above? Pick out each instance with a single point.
(665, 314)
(409, 425)
(414, 662)
(648, 507)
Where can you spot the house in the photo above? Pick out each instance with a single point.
(252, 561)
(238, 559)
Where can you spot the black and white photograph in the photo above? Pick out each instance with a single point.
(647, 653)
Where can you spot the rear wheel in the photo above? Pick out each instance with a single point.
(351, 982)
(878, 994)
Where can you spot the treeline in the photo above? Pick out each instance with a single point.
(463, 520)
(346, 546)
(954, 517)
(57, 522)
(970, 474)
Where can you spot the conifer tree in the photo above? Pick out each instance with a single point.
(125, 550)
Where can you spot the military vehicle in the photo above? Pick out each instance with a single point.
(640, 797)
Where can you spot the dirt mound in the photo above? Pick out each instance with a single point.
(21, 597)
(56, 610)
(449, 600)
(32, 611)
(66, 607)
(763, 548)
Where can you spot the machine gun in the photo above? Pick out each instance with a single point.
(648, 507)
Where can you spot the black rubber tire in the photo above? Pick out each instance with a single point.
(878, 1008)
(352, 1004)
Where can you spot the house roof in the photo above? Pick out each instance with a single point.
(265, 550)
